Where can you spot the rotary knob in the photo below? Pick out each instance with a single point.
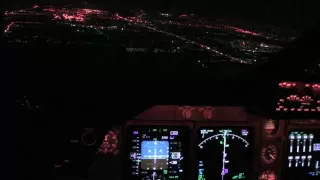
(89, 138)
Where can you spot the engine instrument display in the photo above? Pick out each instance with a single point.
(157, 153)
(268, 175)
(225, 153)
(269, 154)
(303, 155)
(299, 97)
(270, 127)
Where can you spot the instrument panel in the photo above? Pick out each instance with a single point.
(226, 144)
(298, 98)
(208, 143)
(238, 146)
(157, 152)
(229, 149)
(223, 150)
(198, 142)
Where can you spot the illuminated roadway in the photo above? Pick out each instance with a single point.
(233, 59)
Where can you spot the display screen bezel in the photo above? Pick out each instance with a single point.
(127, 161)
(222, 126)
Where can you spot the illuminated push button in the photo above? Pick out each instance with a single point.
(291, 137)
(305, 137)
(297, 160)
(309, 160)
(303, 158)
(298, 142)
(133, 155)
(310, 142)
(316, 147)
(290, 158)
(174, 133)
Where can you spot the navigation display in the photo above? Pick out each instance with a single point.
(157, 153)
(303, 155)
(225, 153)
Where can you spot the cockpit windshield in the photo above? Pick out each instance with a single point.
(159, 37)
(254, 115)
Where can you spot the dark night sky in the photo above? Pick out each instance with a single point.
(297, 13)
